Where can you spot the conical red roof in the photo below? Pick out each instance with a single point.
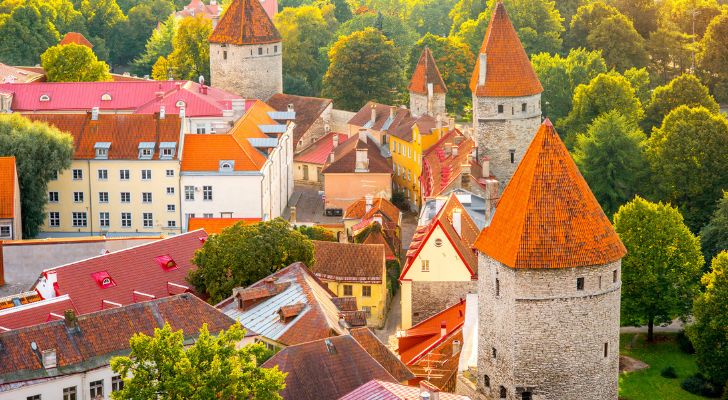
(508, 70)
(77, 38)
(244, 23)
(426, 72)
(548, 216)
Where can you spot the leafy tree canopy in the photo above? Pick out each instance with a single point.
(639, 79)
(680, 14)
(463, 11)
(643, 14)
(158, 45)
(588, 17)
(621, 45)
(132, 34)
(714, 235)
(683, 90)
(670, 54)
(402, 35)
(101, 17)
(73, 63)
(190, 56)
(714, 56)
(317, 233)
(431, 16)
(25, 34)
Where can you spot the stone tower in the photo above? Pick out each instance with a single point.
(246, 54)
(548, 285)
(506, 97)
(427, 90)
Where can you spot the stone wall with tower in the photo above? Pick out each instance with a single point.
(420, 104)
(253, 71)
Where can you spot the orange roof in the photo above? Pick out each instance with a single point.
(216, 225)
(77, 38)
(248, 126)
(508, 70)
(548, 216)
(418, 340)
(245, 22)
(7, 187)
(426, 72)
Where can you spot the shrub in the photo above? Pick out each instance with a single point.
(698, 385)
(684, 343)
(668, 372)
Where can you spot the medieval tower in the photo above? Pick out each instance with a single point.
(246, 54)
(506, 97)
(427, 90)
(549, 285)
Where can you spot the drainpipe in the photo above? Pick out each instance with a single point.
(90, 200)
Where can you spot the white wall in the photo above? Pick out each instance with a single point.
(239, 194)
(53, 389)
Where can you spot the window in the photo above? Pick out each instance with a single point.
(167, 153)
(146, 174)
(170, 207)
(497, 287)
(275, 48)
(347, 290)
(526, 396)
(606, 349)
(54, 175)
(207, 193)
(367, 310)
(146, 153)
(503, 393)
(523, 107)
(53, 197)
(486, 381)
(103, 174)
(260, 51)
(44, 97)
(102, 153)
(366, 291)
(34, 397)
(103, 197)
(96, 388)
(600, 281)
(425, 265)
(104, 219)
(513, 156)
(78, 197)
(147, 220)
(493, 352)
(171, 224)
(116, 383)
(579, 283)
(126, 220)
(147, 197)
(169, 173)
(79, 219)
(105, 97)
(201, 130)
(5, 231)
(189, 192)
(69, 393)
(500, 108)
(125, 197)
(54, 219)
(207, 215)
(614, 276)
(170, 190)
(77, 174)
(224, 54)
(124, 174)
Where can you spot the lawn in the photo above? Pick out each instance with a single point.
(647, 384)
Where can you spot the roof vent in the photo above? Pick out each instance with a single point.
(330, 348)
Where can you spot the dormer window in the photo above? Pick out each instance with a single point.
(167, 150)
(180, 104)
(105, 97)
(146, 150)
(102, 150)
(103, 279)
(166, 262)
(227, 165)
(45, 97)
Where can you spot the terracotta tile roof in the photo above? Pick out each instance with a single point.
(380, 206)
(7, 187)
(379, 390)
(382, 354)
(9, 74)
(318, 152)
(508, 72)
(349, 262)
(341, 365)
(245, 22)
(419, 340)
(345, 303)
(426, 72)
(123, 131)
(198, 7)
(100, 335)
(307, 109)
(34, 313)
(345, 158)
(397, 121)
(441, 167)
(77, 38)
(135, 274)
(376, 237)
(216, 225)
(439, 365)
(548, 216)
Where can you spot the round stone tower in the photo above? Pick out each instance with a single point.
(427, 90)
(506, 97)
(548, 285)
(246, 54)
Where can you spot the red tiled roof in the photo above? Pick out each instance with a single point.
(440, 170)
(132, 269)
(326, 369)
(376, 237)
(508, 72)
(349, 262)
(245, 22)
(307, 109)
(7, 187)
(345, 303)
(379, 390)
(369, 341)
(123, 131)
(426, 72)
(10, 74)
(34, 313)
(380, 206)
(345, 158)
(418, 340)
(216, 225)
(318, 153)
(398, 121)
(198, 7)
(548, 216)
(77, 38)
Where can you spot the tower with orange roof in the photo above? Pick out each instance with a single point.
(427, 90)
(549, 283)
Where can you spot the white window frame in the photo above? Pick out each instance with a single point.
(189, 193)
(146, 174)
(53, 196)
(104, 219)
(147, 220)
(207, 193)
(54, 219)
(78, 197)
(103, 174)
(124, 174)
(126, 220)
(103, 197)
(79, 219)
(146, 197)
(77, 174)
(125, 194)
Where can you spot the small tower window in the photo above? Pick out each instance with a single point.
(526, 396)
(497, 287)
(486, 381)
(275, 48)
(513, 156)
(614, 276)
(260, 51)
(500, 108)
(494, 352)
(523, 109)
(503, 392)
(224, 55)
(579, 283)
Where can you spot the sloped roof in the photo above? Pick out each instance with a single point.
(326, 369)
(216, 225)
(380, 390)
(376, 237)
(345, 158)
(426, 72)
(397, 121)
(245, 22)
(307, 109)
(319, 151)
(371, 343)
(440, 169)
(380, 205)
(349, 262)
(123, 131)
(10, 74)
(34, 313)
(198, 7)
(508, 72)
(77, 38)
(7, 187)
(548, 216)
(418, 340)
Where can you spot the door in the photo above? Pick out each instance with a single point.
(305, 172)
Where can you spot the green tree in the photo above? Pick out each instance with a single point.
(670, 54)
(610, 157)
(161, 70)
(317, 233)
(25, 34)
(680, 15)
(244, 254)
(688, 154)
(190, 56)
(40, 151)
(64, 16)
(101, 17)
(643, 14)
(431, 16)
(621, 45)
(162, 367)
(683, 90)
(132, 34)
(714, 235)
(73, 63)
(604, 93)
(587, 18)
(714, 56)
(639, 79)
(567, 9)
(158, 45)
(472, 32)
(364, 66)
(709, 332)
(342, 10)
(463, 11)
(662, 268)
(402, 35)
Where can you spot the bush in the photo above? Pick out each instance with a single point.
(399, 201)
(668, 372)
(698, 385)
(684, 343)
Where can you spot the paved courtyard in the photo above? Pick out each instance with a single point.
(309, 206)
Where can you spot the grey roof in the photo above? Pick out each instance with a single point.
(277, 128)
(263, 142)
(474, 205)
(147, 145)
(164, 145)
(102, 145)
(282, 115)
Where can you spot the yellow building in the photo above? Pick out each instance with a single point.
(355, 270)
(124, 177)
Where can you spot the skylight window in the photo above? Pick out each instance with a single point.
(103, 279)
(166, 262)
(45, 97)
(105, 97)
(180, 104)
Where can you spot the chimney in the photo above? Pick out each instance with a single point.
(330, 348)
(362, 160)
(481, 71)
(331, 157)
(335, 140)
(201, 80)
(70, 319)
(95, 114)
(292, 219)
(162, 112)
(369, 202)
(373, 118)
(457, 221)
(392, 112)
(486, 167)
(290, 107)
(455, 150)
(363, 135)
(456, 347)
(428, 391)
(443, 329)
(465, 175)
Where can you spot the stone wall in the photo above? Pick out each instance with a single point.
(549, 338)
(319, 128)
(429, 298)
(418, 104)
(245, 72)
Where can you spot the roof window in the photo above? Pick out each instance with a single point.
(103, 279)
(180, 104)
(45, 97)
(102, 150)
(146, 150)
(105, 97)
(167, 150)
(166, 262)
(227, 165)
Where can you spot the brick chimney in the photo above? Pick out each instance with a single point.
(373, 117)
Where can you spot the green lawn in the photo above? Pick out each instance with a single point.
(647, 384)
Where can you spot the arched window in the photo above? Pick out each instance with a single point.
(226, 166)
(486, 381)
(503, 392)
(180, 104)
(45, 97)
(438, 242)
(105, 97)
